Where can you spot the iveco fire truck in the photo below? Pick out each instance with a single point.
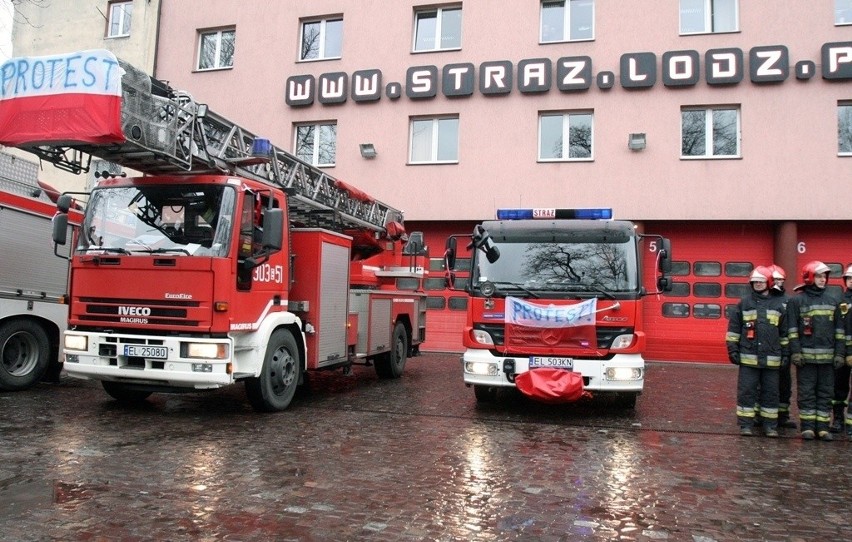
(555, 304)
(33, 286)
(230, 260)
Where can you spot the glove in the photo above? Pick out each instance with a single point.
(849, 361)
(796, 359)
(734, 357)
(839, 361)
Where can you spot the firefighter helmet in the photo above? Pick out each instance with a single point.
(848, 272)
(762, 274)
(778, 272)
(812, 269)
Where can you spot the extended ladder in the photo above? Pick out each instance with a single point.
(167, 132)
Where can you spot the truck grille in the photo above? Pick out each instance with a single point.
(129, 311)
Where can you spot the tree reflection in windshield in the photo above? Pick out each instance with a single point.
(564, 266)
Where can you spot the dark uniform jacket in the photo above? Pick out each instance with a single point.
(757, 331)
(817, 326)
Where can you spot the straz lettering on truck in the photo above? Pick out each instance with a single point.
(268, 273)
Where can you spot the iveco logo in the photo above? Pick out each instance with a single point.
(614, 318)
(134, 311)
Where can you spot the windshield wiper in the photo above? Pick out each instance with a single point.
(117, 250)
(516, 285)
(578, 286)
(162, 250)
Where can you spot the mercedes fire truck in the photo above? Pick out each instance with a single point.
(230, 260)
(555, 304)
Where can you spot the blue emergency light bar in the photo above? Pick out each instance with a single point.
(542, 213)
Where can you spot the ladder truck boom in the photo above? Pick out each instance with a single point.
(166, 132)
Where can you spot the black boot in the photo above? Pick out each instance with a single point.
(837, 420)
(784, 421)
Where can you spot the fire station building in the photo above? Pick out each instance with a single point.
(725, 125)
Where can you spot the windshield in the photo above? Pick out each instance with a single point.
(555, 267)
(189, 220)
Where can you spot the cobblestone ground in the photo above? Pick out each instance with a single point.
(357, 458)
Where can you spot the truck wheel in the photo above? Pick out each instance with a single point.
(391, 364)
(123, 394)
(626, 400)
(275, 387)
(24, 354)
(485, 394)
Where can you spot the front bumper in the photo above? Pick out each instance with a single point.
(621, 373)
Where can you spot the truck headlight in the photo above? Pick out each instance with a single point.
(622, 341)
(623, 373)
(482, 337)
(204, 350)
(481, 368)
(76, 342)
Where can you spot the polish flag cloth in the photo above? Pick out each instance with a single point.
(559, 327)
(553, 386)
(64, 99)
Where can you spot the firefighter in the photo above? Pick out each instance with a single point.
(785, 377)
(757, 341)
(817, 336)
(841, 376)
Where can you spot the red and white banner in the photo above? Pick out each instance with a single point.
(556, 326)
(61, 99)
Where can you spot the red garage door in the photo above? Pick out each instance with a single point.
(712, 263)
(828, 242)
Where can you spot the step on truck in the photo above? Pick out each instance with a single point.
(228, 261)
(555, 304)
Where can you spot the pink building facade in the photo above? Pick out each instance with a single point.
(723, 124)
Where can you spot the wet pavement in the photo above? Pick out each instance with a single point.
(358, 458)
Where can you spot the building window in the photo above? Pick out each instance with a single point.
(567, 20)
(737, 290)
(842, 11)
(707, 289)
(844, 129)
(679, 269)
(435, 302)
(437, 29)
(707, 269)
(738, 269)
(434, 140)
(321, 39)
(709, 16)
(707, 310)
(316, 144)
(675, 310)
(216, 49)
(679, 289)
(457, 303)
(555, 129)
(119, 19)
(707, 133)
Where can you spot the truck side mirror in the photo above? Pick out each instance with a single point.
(273, 229)
(664, 284)
(60, 227)
(665, 256)
(450, 263)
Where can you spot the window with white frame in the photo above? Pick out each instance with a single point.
(216, 49)
(119, 19)
(316, 144)
(844, 128)
(712, 132)
(434, 140)
(321, 39)
(842, 11)
(567, 20)
(709, 16)
(437, 29)
(554, 129)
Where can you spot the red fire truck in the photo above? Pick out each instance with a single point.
(555, 304)
(33, 287)
(230, 260)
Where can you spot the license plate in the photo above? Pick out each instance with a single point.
(151, 352)
(544, 361)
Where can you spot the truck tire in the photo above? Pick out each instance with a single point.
(485, 394)
(123, 394)
(626, 400)
(24, 354)
(274, 389)
(391, 364)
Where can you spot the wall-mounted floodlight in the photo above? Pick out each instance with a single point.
(368, 150)
(636, 142)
